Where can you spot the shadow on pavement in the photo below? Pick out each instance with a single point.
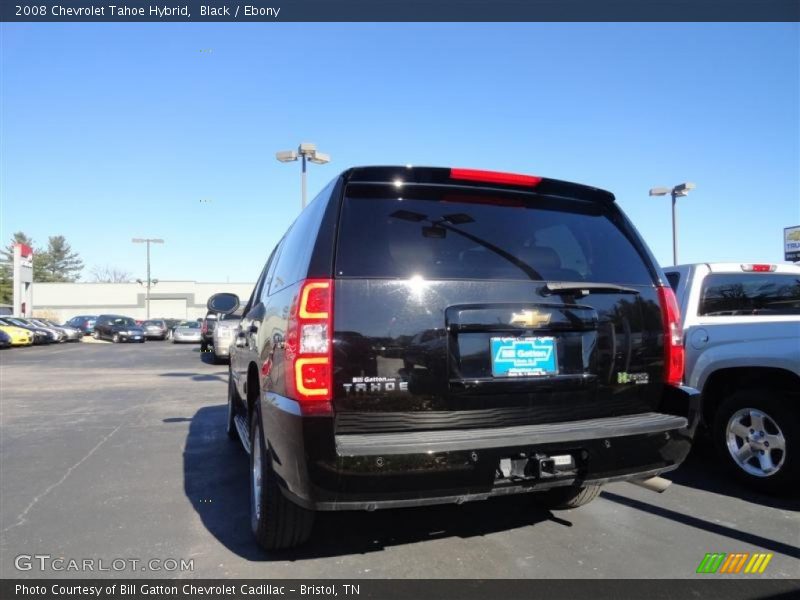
(703, 471)
(216, 472)
(222, 376)
(730, 532)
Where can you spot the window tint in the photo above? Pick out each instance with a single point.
(297, 246)
(674, 279)
(750, 294)
(457, 234)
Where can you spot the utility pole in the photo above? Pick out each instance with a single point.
(305, 151)
(150, 281)
(676, 192)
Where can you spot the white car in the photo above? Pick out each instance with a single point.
(741, 326)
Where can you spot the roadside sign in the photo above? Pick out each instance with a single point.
(791, 243)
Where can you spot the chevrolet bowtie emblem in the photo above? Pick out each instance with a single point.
(530, 318)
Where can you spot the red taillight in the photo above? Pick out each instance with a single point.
(759, 268)
(494, 177)
(673, 336)
(204, 327)
(308, 356)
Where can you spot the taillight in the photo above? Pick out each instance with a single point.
(308, 355)
(759, 268)
(495, 177)
(204, 327)
(673, 336)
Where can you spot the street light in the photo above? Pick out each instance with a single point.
(679, 190)
(149, 282)
(304, 152)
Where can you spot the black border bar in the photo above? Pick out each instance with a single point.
(398, 10)
(704, 587)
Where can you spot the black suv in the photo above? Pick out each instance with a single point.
(432, 335)
(117, 329)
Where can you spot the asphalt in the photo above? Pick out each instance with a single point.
(119, 452)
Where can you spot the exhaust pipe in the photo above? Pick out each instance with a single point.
(654, 484)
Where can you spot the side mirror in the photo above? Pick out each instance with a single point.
(223, 303)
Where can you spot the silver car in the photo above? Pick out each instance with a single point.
(224, 334)
(187, 332)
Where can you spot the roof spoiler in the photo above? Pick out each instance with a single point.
(475, 178)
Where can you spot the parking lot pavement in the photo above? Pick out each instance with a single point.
(119, 451)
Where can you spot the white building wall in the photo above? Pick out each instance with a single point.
(168, 299)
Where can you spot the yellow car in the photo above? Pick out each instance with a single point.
(18, 335)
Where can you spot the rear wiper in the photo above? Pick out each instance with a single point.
(585, 288)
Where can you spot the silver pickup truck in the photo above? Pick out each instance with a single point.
(741, 325)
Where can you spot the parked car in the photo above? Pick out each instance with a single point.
(155, 329)
(207, 326)
(117, 329)
(187, 332)
(70, 334)
(40, 336)
(741, 323)
(223, 336)
(83, 322)
(19, 336)
(5, 339)
(171, 325)
(562, 368)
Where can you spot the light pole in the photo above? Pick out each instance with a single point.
(679, 190)
(148, 241)
(305, 151)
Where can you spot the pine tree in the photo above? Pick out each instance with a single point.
(59, 261)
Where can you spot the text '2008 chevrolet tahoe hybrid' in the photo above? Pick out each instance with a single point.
(430, 335)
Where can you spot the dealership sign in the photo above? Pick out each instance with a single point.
(23, 280)
(791, 243)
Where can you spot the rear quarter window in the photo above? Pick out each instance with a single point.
(457, 234)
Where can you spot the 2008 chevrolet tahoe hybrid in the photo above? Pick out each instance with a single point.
(435, 335)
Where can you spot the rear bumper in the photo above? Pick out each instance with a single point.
(323, 471)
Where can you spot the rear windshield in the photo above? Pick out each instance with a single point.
(750, 294)
(457, 234)
(156, 323)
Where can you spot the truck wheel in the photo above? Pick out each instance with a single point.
(233, 401)
(571, 496)
(276, 521)
(757, 434)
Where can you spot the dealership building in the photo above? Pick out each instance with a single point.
(168, 299)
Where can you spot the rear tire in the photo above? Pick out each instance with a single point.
(234, 400)
(761, 424)
(275, 521)
(573, 496)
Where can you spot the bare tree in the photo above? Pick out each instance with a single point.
(109, 274)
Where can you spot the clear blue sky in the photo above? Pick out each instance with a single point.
(114, 131)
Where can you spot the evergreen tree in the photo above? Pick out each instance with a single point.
(59, 261)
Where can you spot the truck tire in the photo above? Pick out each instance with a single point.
(756, 434)
(233, 401)
(275, 521)
(572, 496)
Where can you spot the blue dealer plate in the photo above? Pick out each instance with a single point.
(523, 357)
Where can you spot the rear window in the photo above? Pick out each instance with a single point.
(458, 234)
(750, 294)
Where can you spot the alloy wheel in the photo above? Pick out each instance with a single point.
(755, 442)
